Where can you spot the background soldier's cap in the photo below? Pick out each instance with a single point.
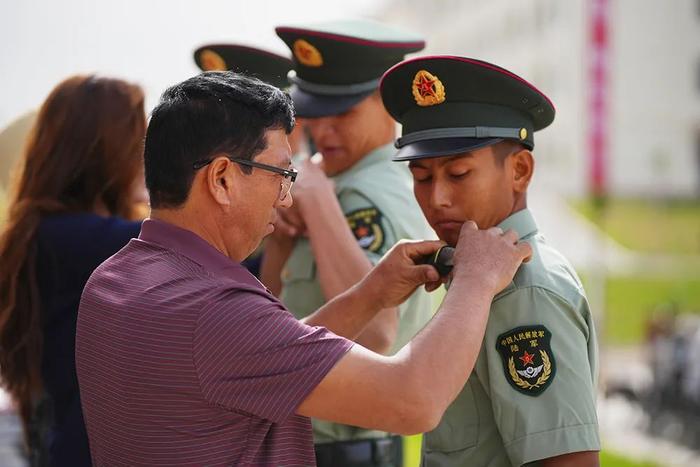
(266, 66)
(338, 64)
(448, 105)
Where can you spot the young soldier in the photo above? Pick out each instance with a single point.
(468, 136)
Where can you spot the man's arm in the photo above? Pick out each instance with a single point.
(408, 392)
(340, 261)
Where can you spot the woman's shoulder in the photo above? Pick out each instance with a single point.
(86, 231)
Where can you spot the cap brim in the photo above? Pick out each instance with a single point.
(309, 105)
(441, 147)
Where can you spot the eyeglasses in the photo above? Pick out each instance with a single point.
(290, 175)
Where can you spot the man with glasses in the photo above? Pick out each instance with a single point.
(184, 358)
(269, 67)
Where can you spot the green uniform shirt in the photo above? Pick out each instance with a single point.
(376, 196)
(532, 392)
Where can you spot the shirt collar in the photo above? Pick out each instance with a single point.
(380, 154)
(522, 222)
(189, 244)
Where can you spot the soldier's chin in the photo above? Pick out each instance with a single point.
(449, 237)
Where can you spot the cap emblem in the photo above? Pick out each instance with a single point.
(428, 89)
(212, 61)
(523, 133)
(307, 54)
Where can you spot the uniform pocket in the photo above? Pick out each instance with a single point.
(459, 427)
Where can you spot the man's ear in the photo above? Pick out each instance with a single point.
(219, 180)
(523, 165)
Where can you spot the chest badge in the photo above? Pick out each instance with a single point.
(528, 361)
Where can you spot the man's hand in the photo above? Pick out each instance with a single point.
(488, 257)
(398, 275)
(312, 185)
(289, 223)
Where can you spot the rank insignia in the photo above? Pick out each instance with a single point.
(212, 61)
(427, 89)
(366, 225)
(527, 358)
(307, 54)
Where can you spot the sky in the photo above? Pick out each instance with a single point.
(149, 42)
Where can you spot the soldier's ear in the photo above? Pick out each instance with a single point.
(523, 165)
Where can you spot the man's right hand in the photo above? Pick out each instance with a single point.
(488, 257)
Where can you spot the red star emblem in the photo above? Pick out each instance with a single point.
(362, 231)
(527, 358)
(425, 87)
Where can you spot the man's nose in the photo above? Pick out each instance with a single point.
(441, 195)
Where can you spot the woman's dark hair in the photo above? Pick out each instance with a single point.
(213, 112)
(84, 151)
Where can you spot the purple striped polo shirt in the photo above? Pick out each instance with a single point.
(184, 358)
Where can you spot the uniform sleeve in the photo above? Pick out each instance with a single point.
(372, 229)
(536, 367)
(251, 355)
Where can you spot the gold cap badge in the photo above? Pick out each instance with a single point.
(523, 133)
(428, 89)
(212, 61)
(307, 54)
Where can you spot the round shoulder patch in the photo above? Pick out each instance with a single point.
(366, 225)
(528, 361)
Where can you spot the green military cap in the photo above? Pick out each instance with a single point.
(264, 65)
(338, 64)
(447, 105)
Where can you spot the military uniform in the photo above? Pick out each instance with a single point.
(531, 394)
(336, 66)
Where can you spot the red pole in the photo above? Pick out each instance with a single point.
(598, 67)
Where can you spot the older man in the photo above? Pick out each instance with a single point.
(184, 358)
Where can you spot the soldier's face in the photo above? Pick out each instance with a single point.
(469, 186)
(346, 138)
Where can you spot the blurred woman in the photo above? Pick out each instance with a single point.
(76, 188)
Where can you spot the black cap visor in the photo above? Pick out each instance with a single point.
(308, 105)
(441, 147)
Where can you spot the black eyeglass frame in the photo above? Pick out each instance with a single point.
(286, 173)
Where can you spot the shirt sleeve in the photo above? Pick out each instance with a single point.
(253, 356)
(371, 227)
(536, 367)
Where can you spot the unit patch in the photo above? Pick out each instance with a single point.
(528, 361)
(366, 225)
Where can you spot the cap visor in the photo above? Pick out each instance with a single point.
(441, 147)
(309, 105)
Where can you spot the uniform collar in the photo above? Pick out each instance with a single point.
(189, 244)
(522, 222)
(376, 156)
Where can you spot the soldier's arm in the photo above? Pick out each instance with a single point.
(340, 261)
(277, 250)
(408, 392)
